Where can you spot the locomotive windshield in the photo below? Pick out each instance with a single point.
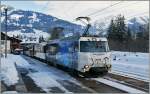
(93, 46)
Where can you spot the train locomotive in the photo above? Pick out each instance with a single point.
(83, 55)
(88, 55)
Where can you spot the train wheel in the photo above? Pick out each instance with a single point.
(104, 73)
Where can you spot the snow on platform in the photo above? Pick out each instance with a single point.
(10, 92)
(8, 70)
(47, 77)
(131, 64)
(9, 73)
(46, 81)
(43, 75)
(119, 86)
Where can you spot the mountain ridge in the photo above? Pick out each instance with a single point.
(36, 24)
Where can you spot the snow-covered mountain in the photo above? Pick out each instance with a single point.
(30, 24)
(135, 24)
(35, 24)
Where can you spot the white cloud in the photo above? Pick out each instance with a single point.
(69, 10)
(40, 2)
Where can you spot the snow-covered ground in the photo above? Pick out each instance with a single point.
(8, 70)
(131, 64)
(47, 77)
(9, 73)
(43, 75)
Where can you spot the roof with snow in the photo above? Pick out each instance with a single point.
(8, 37)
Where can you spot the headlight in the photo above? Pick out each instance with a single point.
(86, 66)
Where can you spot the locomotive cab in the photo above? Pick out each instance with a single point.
(94, 55)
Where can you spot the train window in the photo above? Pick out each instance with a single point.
(53, 49)
(93, 46)
(107, 47)
(76, 47)
(44, 48)
(37, 49)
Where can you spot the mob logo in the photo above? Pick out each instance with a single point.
(95, 61)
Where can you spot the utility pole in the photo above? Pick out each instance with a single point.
(5, 9)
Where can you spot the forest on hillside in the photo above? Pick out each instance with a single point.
(122, 38)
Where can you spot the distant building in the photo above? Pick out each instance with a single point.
(12, 43)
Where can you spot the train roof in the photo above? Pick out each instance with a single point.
(93, 39)
(77, 38)
(71, 38)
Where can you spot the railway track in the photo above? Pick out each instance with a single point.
(108, 84)
(118, 85)
(129, 81)
(99, 87)
(131, 75)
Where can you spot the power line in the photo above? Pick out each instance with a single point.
(122, 7)
(104, 8)
(128, 5)
(71, 8)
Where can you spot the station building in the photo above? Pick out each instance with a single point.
(12, 43)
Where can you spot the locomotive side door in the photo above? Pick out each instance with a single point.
(51, 51)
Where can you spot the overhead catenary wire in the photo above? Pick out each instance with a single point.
(104, 8)
(120, 7)
(127, 18)
(71, 7)
(123, 7)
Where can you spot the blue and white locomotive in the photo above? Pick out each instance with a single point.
(87, 55)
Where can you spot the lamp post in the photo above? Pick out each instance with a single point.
(6, 9)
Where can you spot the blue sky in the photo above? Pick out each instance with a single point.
(69, 10)
(25, 5)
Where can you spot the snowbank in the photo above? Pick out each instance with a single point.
(131, 63)
(44, 80)
(43, 75)
(21, 62)
(46, 76)
(8, 71)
